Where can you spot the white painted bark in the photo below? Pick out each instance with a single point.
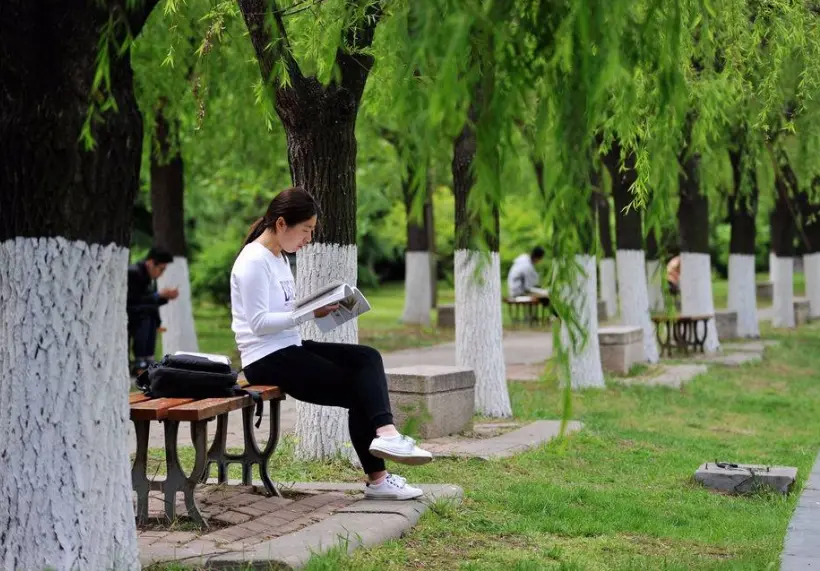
(811, 271)
(584, 360)
(65, 481)
(696, 293)
(418, 284)
(743, 294)
(634, 298)
(321, 431)
(783, 293)
(178, 315)
(609, 292)
(655, 277)
(772, 269)
(479, 330)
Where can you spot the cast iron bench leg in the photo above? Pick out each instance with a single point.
(175, 479)
(216, 454)
(139, 476)
(252, 454)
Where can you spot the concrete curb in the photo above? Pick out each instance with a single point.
(801, 549)
(363, 524)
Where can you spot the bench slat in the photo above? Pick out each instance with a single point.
(134, 398)
(266, 392)
(203, 409)
(155, 409)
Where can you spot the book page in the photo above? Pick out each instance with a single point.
(350, 307)
(324, 290)
(328, 298)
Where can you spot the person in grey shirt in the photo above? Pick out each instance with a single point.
(522, 278)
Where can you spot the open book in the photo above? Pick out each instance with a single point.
(351, 304)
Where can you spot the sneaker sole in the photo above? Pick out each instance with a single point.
(409, 460)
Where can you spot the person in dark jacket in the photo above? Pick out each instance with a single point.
(143, 303)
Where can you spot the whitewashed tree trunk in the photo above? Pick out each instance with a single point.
(654, 277)
(634, 298)
(811, 270)
(772, 266)
(178, 315)
(696, 293)
(418, 284)
(584, 362)
(783, 293)
(65, 482)
(609, 292)
(479, 330)
(321, 431)
(743, 294)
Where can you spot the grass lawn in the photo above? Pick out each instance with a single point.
(619, 494)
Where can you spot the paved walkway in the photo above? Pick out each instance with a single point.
(801, 550)
(524, 351)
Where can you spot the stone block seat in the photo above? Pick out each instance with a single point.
(621, 347)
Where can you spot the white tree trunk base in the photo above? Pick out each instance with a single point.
(772, 264)
(783, 293)
(635, 298)
(418, 285)
(811, 270)
(655, 278)
(321, 431)
(696, 293)
(609, 292)
(65, 478)
(743, 294)
(584, 361)
(479, 329)
(178, 315)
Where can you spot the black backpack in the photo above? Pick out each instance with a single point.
(193, 376)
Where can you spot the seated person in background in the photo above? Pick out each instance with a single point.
(142, 304)
(523, 279)
(673, 275)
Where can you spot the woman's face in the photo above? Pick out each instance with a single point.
(291, 238)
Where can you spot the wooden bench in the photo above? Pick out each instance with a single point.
(529, 309)
(172, 411)
(681, 332)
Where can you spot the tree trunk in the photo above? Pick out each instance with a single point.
(430, 224)
(811, 260)
(696, 267)
(418, 264)
(479, 330)
(655, 274)
(631, 261)
(783, 231)
(580, 291)
(742, 280)
(319, 122)
(65, 227)
(609, 291)
(168, 216)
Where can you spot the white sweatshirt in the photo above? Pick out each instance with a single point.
(522, 277)
(263, 294)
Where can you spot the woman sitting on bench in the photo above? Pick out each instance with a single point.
(329, 374)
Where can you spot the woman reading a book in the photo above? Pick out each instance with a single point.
(329, 374)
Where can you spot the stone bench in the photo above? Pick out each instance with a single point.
(765, 290)
(802, 311)
(432, 400)
(726, 323)
(446, 316)
(621, 347)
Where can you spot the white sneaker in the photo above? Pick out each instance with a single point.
(399, 448)
(393, 487)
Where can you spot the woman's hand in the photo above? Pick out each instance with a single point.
(322, 311)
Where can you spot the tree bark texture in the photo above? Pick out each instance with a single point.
(604, 226)
(65, 226)
(693, 209)
(742, 209)
(628, 231)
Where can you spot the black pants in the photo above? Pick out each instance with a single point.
(333, 374)
(142, 333)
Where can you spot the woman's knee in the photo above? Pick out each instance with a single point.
(370, 354)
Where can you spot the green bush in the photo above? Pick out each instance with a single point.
(211, 269)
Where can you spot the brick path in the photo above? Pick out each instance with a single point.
(249, 519)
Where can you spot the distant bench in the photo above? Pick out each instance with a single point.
(172, 411)
(529, 309)
(682, 332)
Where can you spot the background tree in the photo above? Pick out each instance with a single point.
(606, 267)
(70, 137)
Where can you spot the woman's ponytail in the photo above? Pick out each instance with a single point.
(255, 231)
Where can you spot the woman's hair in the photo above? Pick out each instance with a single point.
(294, 204)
